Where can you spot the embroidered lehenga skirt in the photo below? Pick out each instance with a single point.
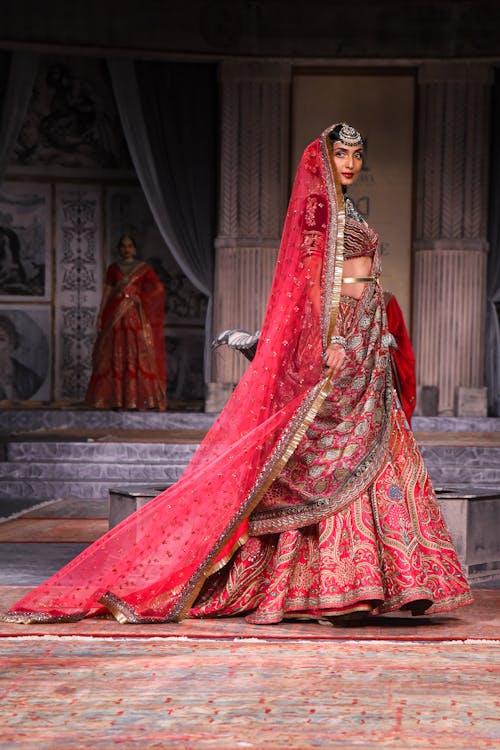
(346, 529)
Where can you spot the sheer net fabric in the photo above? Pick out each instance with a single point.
(151, 566)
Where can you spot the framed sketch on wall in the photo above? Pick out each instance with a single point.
(25, 241)
(25, 353)
(71, 125)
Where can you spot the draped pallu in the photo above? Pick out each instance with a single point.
(293, 462)
(129, 368)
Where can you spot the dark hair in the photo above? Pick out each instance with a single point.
(126, 236)
(9, 327)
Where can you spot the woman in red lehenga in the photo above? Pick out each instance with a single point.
(308, 498)
(129, 370)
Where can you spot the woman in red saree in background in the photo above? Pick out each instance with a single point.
(129, 370)
(308, 498)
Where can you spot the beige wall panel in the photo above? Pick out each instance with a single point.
(382, 107)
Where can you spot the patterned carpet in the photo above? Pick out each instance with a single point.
(227, 694)
(394, 682)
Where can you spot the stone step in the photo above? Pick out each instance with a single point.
(455, 424)
(26, 420)
(53, 489)
(151, 452)
(46, 481)
(84, 472)
(67, 463)
(468, 465)
(99, 452)
(441, 476)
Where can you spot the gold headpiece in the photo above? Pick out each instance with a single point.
(349, 136)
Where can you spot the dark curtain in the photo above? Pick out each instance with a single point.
(179, 102)
(493, 288)
(169, 113)
(5, 58)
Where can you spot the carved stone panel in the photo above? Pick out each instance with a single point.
(79, 275)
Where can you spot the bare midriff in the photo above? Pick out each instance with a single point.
(357, 267)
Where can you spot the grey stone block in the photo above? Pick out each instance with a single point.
(427, 401)
(473, 518)
(123, 501)
(471, 402)
(217, 396)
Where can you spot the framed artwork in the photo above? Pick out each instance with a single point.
(25, 353)
(25, 241)
(72, 124)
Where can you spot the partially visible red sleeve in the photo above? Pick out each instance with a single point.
(403, 356)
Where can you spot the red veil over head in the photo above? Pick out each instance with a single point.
(151, 566)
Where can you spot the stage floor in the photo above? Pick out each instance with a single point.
(398, 682)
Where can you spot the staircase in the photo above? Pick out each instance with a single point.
(50, 454)
(63, 453)
(460, 451)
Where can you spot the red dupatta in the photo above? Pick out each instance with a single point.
(152, 565)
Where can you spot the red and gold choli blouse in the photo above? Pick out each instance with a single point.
(359, 237)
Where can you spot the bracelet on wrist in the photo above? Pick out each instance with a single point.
(340, 340)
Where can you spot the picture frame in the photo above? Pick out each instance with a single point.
(25, 241)
(25, 353)
(72, 126)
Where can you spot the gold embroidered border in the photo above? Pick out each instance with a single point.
(281, 454)
(333, 268)
(278, 520)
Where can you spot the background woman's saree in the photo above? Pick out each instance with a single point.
(129, 369)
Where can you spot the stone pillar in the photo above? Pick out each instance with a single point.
(451, 223)
(254, 191)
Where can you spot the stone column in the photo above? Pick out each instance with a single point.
(254, 191)
(451, 224)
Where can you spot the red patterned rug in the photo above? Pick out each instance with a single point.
(62, 693)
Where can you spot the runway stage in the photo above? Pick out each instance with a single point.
(394, 682)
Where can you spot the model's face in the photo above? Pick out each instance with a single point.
(127, 248)
(347, 162)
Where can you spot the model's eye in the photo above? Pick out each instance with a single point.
(358, 156)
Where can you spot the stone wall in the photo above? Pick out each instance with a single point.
(266, 28)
